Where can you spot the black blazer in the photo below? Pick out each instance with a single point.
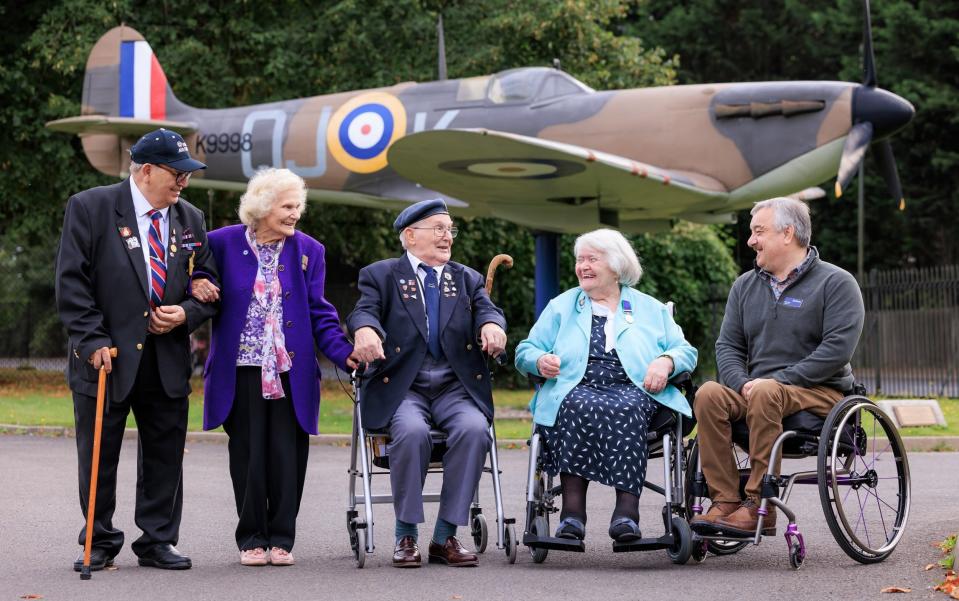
(389, 306)
(102, 293)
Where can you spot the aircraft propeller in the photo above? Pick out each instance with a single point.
(877, 114)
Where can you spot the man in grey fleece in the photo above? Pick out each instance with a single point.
(790, 329)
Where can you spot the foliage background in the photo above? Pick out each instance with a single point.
(220, 54)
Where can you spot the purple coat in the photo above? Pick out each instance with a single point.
(307, 318)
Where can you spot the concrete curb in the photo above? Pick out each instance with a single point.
(913, 443)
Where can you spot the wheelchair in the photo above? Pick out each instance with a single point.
(862, 474)
(369, 457)
(667, 430)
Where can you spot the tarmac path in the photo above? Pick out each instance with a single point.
(40, 518)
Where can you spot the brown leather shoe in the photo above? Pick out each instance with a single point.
(742, 522)
(406, 554)
(707, 522)
(452, 553)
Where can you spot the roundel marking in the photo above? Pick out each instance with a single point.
(510, 168)
(362, 130)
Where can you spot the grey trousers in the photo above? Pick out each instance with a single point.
(437, 398)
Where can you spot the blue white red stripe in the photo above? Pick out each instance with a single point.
(157, 260)
(142, 82)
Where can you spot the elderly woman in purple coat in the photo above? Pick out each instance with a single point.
(262, 379)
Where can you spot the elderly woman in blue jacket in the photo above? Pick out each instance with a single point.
(607, 352)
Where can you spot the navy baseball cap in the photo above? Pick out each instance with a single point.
(418, 212)
(164, 147)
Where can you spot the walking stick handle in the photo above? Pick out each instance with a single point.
(491, 271)
(85, 573)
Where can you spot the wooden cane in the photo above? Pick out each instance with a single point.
(95, 468)
(491, 271)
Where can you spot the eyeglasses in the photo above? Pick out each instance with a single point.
(182, 177)
(439, 230)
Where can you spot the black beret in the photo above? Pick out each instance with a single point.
(419, 211)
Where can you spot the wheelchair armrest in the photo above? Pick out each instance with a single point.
(684, 382)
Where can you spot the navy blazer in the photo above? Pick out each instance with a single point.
(102, 293)
(387, 305)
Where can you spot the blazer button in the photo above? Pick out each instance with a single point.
(469, 347)
(139, 347)
(289, 324)
(280, 267)
(397, 349)
(386, 380)
(292, 354)
(146, 313)
(479, 376)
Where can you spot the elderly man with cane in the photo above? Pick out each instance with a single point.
(123, 270)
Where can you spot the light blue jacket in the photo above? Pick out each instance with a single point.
(563, 329)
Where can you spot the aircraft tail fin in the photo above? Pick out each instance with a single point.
(125, 95)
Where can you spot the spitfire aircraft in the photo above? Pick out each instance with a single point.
(533, 146)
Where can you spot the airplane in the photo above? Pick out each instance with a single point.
(532, 145)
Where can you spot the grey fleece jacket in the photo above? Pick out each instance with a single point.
(806, 338)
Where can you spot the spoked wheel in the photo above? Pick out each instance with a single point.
(540, 528)
(716, 547)
(510, 542)
(480, 532)
(358, 541)
(682, 547)
(863, 479)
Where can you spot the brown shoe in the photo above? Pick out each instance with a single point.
(742, 522)
(706, 523)
(452, 553)
(406, 554)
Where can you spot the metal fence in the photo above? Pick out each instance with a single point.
(910, 341)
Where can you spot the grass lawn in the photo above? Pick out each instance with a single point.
(43, 399)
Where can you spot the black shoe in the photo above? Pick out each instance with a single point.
(99, 559)
(624, 530)
(165, 557)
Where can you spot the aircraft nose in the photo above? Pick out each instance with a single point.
(887, 112)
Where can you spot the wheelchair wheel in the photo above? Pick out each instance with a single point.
(796, 556)
(863, 478)
(480, 532)
(716, 547)
(682, 547)
(510, 542)
(358, 542)
(540, 528)
(700, 551)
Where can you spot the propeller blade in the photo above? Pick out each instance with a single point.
(852, 153)
(887, 167)
(868, 58)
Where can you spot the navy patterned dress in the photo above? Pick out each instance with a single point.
(600, 429)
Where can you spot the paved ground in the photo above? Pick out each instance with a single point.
(39, 519)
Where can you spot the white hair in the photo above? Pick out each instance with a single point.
(618, 251)
(789, 212)
(264, 188)
(403, 238)
(135, 167)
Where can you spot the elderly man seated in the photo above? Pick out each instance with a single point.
(790, 329)
(428, 321)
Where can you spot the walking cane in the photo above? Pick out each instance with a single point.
(95, 468)
(490, 272)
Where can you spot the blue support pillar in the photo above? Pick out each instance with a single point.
(547, 269)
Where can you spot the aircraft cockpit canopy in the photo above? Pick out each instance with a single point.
(520, 86)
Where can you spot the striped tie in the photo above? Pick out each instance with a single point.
(157, 260)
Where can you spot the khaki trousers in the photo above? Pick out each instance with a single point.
(717, 406)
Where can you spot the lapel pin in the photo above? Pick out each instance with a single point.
(305, 261)
(628, 311)
(125, 232)
(447, 276)
(132, 243)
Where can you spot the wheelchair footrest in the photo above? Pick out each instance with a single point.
(644, 544)
(557, 544)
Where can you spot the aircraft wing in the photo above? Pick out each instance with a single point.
(120, 126)
(546, 184)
